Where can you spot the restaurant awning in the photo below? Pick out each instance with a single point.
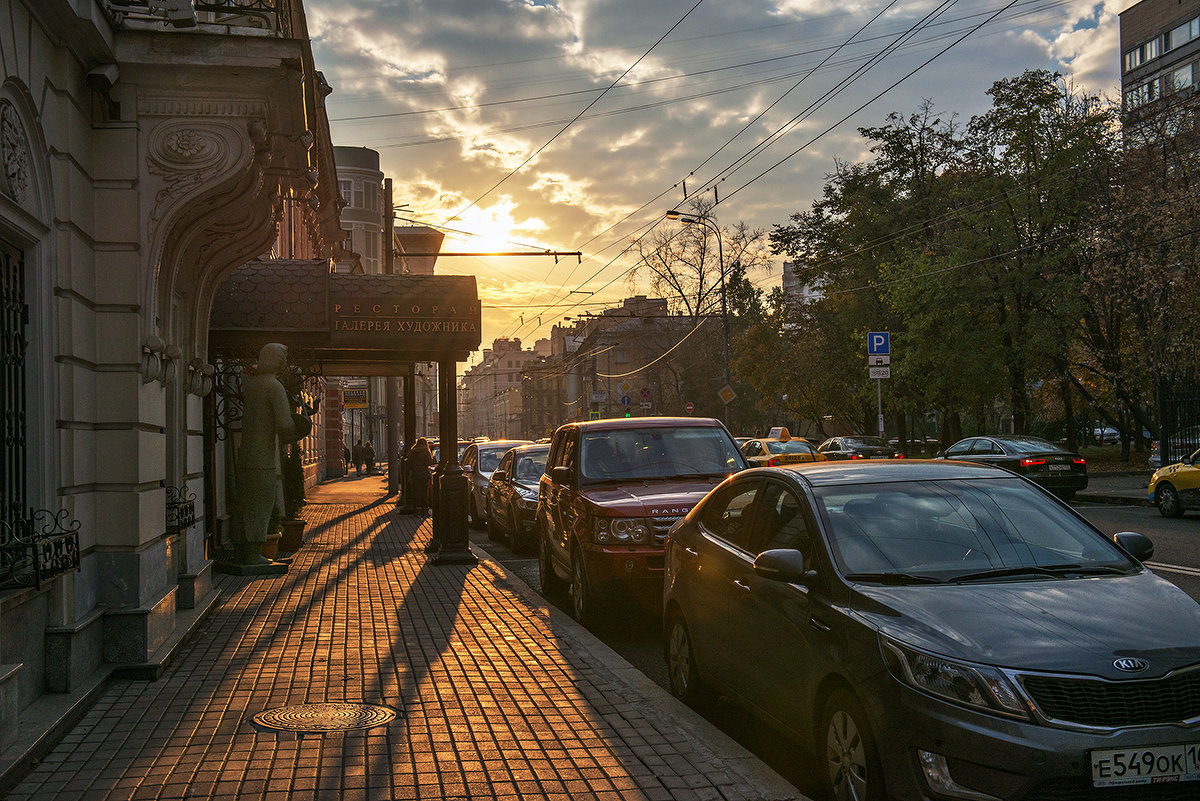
(344, 324)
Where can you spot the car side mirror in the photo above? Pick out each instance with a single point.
(466, 468)
(940, 455)
(499, 475)
(1136, 545)
(783, 564)
(561, 475)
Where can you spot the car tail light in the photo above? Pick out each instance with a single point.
(897, 455)
(1030, 461)
(772, 463)
(1079, 460)
(855, 456)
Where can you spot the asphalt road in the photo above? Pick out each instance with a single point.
(636, 635)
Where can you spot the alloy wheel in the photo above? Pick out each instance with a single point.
(581, 601)
(1168, 501)
(681, 661)
(845, 758)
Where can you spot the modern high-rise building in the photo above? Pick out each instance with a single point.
(1160, 48)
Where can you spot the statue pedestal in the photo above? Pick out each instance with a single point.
(227, 562)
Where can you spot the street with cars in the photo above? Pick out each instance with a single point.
(941, 601)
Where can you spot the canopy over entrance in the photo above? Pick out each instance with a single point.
(353, 325)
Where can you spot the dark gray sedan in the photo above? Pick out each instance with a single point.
(936, 629)
(1061, 471)
(857, 447)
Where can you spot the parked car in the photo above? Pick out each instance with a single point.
(1181, 443)
(856, 447)
(936, 629)
(611, 490)
(783, 449)
(478, 461)
(1061, 471)
(512, 496)
(1176, 488)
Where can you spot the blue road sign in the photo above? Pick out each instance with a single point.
(626, 400)
(879, 343)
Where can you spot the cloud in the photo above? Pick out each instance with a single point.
(457, 94)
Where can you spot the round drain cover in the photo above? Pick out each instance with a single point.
(325, 717)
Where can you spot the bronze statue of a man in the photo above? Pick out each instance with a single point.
(266, 420)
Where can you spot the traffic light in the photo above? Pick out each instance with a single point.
(629, 414)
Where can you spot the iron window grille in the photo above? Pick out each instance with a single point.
(38, 547)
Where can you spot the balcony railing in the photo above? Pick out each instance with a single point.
(37, 548)
(272, 16)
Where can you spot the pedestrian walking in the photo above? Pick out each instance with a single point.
(369, 457)
(420, 460)
(358, 457)
(345, 458)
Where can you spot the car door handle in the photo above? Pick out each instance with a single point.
(690, 551)
(742, 584)
(819, 625)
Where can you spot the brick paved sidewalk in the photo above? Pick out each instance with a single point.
(498, 697)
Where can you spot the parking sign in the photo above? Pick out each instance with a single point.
(878, 343)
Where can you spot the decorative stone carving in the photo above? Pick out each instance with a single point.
(14, 154)
(188, 156)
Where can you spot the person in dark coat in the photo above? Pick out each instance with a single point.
(369, 457)
(420, 461)
(358, 457)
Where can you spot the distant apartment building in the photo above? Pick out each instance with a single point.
(793, 290)
(1160, 48)
(489, 392)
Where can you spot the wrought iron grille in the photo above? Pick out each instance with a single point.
(14, 318)
(37, 548)
(181, 509)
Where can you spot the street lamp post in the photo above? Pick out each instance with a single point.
(695, 219)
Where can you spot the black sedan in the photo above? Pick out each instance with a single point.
(856, 447)
(1061, 471)
(937, 630)
(512, 496)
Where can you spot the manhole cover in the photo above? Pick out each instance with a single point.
(325, 717)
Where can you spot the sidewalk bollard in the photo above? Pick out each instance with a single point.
(455, 546)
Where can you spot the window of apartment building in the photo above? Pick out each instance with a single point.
(1140, 55)
(1183, 78)
(357, 201)
(1183, 34)
(346, 189)
(1141, 94)
(372, 197)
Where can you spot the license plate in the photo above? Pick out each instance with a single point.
(1060, 467)
(1157, 764)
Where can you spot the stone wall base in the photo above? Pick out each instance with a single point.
(132, 635)
(74, 652)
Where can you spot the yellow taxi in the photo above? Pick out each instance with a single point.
(780, 448)
(1175, 488)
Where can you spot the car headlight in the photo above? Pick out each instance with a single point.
(978, 686)
(622, 530)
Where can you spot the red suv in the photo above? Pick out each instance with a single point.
(611, 491)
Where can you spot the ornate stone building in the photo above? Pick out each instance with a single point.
(148, 149)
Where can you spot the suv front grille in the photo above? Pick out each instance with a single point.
(1111, 704)
(661, 526)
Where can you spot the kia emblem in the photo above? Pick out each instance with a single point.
(1130, 664)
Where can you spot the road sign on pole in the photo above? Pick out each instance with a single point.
(626, 400)
(880, 372)
(878, 360)
(689, 407)
(879, 342)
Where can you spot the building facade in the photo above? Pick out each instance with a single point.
(148, 149)
(1160, 51)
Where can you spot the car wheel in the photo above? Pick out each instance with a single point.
(582, 601)
(681, 661)
(1167, 501)
(551, 583)
(852, 766)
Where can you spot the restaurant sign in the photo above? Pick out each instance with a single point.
(425, 315)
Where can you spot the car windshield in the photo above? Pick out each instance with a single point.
(960, 530)
(865, 442)
(657, 452)
(530, 466)
(791, 446)
(1029, 445)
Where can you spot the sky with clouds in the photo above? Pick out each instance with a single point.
(575, 125)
